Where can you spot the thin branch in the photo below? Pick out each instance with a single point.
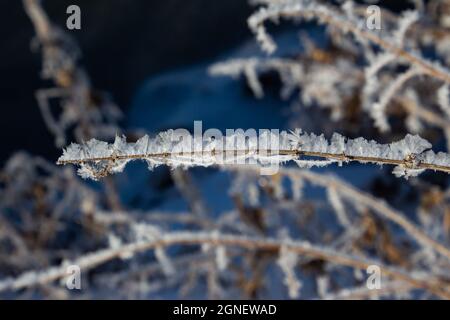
(92, 260)
(331, 16)
(380, 207)
(359, 293)
(98, 159)
(39, 18)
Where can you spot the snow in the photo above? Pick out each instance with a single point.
(181, 149)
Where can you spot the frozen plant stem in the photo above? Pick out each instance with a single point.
(382, 209)
(92, 260)
(39, 19)
(328, 15)
(411, 155)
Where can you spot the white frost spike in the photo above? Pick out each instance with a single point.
(255, 24)
(221, 258)
(253, 81)
(287, 261)
(166, 265)
(115, 243)
(307, 164)
(400, 171)
(323, 284)
(412, 144)
(338, 206)
(86, 173)
(145, 232)
(253, 195)
(291, 72)
(297, 188)
(378, 111)
(349, 9)
(443, 100)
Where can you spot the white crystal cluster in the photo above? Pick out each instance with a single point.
(175, 148)
(412, 149)
(98, 158)
(359, 147)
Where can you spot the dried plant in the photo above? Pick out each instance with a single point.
(89, 111)
(244, 233)
(332, 82)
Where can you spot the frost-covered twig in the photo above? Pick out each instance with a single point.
(392, 288)
(378, 110)
(88, 111)
(96, 159)
(287, 261)
(291, 72)
(356, 196)
(109, 218)
(384, 210)
(92, 260)
(308, 10)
